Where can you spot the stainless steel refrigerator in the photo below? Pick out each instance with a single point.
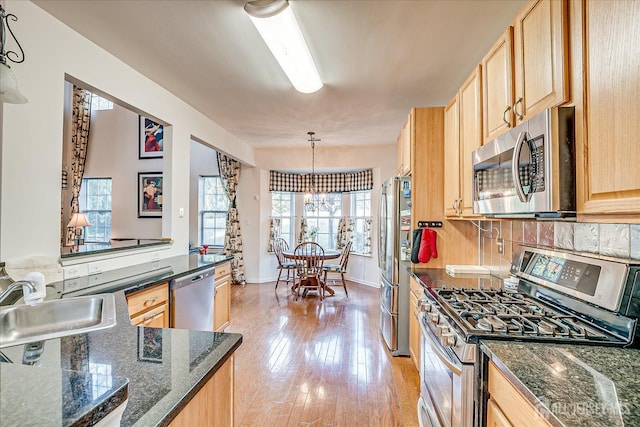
(393, 258)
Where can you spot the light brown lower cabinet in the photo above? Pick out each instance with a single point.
(158, 317)
(495, 417)
(507, 406)
(414, 327)
(150, 306)
(222, 299)
(212, 406)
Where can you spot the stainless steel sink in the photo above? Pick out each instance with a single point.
(22, 324)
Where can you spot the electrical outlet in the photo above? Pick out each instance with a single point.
(500, 243)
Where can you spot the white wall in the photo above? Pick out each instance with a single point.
(32, 134)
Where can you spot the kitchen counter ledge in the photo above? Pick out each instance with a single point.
(77, 380)
(573, 385)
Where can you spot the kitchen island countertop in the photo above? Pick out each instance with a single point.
(77, 380)
(580, 385)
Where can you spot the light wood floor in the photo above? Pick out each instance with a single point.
(317, 363)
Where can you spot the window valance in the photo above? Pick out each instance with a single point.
(324, 182)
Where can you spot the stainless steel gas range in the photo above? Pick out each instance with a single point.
(561, 297)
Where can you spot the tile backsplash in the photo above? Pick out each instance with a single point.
(617, 240)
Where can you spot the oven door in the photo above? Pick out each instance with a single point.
(446, 384)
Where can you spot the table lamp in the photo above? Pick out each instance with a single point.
(78, 219)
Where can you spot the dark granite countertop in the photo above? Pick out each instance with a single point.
(77, 380)
(113, 245)
(580, 385)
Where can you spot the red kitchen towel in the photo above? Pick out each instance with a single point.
(432, 236)
(428, 247)
(424, 254)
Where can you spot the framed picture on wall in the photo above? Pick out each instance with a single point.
(151, 141)
(149, 194)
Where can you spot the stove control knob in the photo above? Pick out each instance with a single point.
(441, 330)
(434, 318)
(424, 306)
(448, 340)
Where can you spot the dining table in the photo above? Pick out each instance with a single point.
(328, 254)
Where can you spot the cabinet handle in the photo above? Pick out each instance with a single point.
(150, 300)
(459, 206)
(515, 109)
(150, 317)
(504, 118)
(455, 205)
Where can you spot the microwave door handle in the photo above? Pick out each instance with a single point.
(515, 167)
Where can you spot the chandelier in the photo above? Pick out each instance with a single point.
(314, 201)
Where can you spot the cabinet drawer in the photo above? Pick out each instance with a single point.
(150, 297)
(222, 270)
(154, 318)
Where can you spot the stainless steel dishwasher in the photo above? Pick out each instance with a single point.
(192, 301)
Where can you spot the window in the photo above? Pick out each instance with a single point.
(95, 202)
(282, 208)
(214, 205)
(361, 214)
(326, 221)
(100, 103)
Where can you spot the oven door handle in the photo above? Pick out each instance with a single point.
(455, 368)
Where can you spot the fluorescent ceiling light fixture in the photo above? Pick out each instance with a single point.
(279, 29)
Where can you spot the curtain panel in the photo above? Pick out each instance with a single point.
(345, 232)
(274, 233)
(81, 121)
(230, 175)
(324, 182)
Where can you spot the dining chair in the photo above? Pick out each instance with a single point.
(340, 268)
(309, 259)
(280, 245)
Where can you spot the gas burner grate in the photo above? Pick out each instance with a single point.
(502, 313)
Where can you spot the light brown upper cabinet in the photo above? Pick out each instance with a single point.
(405, 147)
(526, 71)
(462, 135)
(497, 86)
(607, 89)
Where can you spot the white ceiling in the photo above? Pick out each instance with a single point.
(377, 59)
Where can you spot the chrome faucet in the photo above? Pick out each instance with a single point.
(15, 285)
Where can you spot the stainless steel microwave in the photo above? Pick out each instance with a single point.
(530, 170)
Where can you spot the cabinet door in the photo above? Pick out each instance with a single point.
(513, 405)
(607, 108)
(497, 87)
(470, 137)
(495, 417)
(222, 304)
(541, 57)
(158, 317)
(451, 158)
(414, 326)
(405, 142)
(213, 405)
